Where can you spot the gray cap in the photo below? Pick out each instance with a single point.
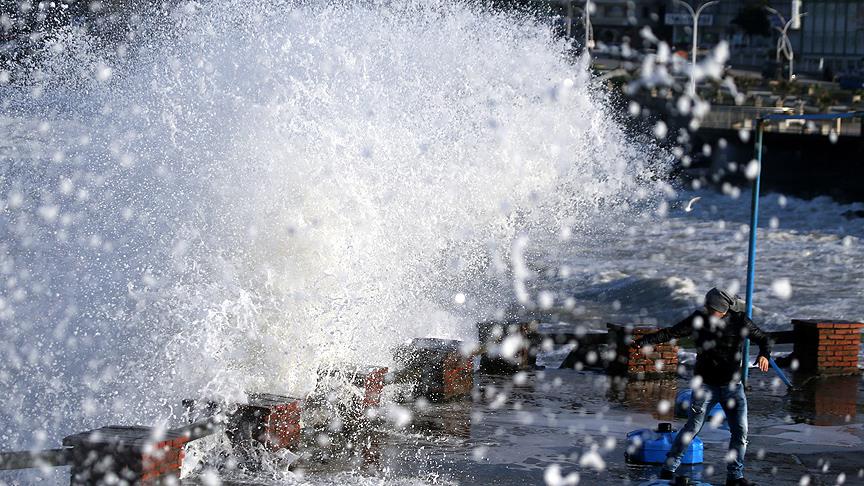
(722, 301)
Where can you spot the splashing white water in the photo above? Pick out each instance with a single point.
(246, 191)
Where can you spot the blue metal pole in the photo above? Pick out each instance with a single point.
(751, 261)
(780, 373)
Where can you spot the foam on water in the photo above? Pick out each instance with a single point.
(244, 191)
(658, 272)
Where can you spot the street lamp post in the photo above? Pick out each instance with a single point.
(586, 16)
(784, 45)
(695, 15)
(569, 23)
(589, 31)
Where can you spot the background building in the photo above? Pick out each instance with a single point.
(830, 38)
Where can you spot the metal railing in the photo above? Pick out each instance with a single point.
(743, 118)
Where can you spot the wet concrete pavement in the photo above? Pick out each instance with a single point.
(515, 429)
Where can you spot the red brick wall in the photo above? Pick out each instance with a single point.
(163, 461)
(272, 420)
(662, 360)
(282, 427)
(372, 386)
(827, 347)
(437, 368)
(629, 360)
(458, 375)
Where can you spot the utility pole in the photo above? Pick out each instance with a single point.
(695, 16)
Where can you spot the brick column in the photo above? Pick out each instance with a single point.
(134, 455)
(827, 346)
(369, 381)
(437, 368)
(492, 334)
(373, 385)
(271, 420)
(345, 393)
(628, 360)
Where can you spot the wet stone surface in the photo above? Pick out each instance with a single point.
(515, 429)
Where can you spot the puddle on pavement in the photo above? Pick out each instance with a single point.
(825, 401)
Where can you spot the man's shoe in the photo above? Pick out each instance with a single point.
(666, 474)
(739, 482)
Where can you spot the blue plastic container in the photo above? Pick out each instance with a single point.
(682, 406)
(646, 446)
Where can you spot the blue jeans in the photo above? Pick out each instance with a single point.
(734, 403)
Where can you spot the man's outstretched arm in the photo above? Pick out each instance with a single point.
(682, 329)
(761, 338)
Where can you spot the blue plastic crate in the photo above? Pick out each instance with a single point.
(645, 446)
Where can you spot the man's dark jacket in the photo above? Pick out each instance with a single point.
(719, 343)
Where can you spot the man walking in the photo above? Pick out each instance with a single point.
(719, 330)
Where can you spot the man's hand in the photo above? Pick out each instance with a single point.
(762, 363)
